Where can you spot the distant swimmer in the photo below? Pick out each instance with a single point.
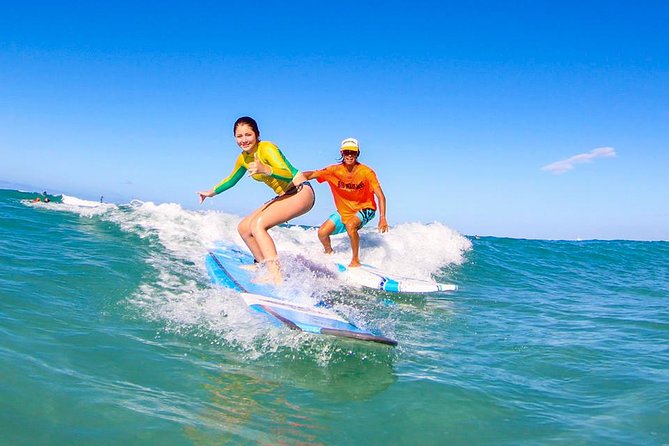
(264, 162)
(353, 188)
(37, 200)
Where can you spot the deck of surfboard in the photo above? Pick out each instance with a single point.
(225, 267)
(371, 277)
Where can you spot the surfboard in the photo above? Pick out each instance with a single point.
(371, 277)
(225, 266)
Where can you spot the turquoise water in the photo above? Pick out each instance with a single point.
(110, 333)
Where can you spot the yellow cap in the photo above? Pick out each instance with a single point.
(350, 144)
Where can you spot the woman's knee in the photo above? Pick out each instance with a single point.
(257, 225)
(244, 228)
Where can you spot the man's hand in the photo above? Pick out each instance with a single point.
(383, 224)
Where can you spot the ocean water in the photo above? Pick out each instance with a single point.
(110, 333)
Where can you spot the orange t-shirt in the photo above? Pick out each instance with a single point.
(352, 191)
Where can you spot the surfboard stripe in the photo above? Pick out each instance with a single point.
(290, 324)
(360, 336)
(227, 273)
(255, 299)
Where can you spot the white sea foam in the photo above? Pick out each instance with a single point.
(74, 201)
(181, 296)
(85, 208)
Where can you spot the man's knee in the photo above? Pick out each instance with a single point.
(326, 229)
(323, 233)
(352, 226)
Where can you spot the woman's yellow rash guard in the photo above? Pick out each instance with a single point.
(282, 171)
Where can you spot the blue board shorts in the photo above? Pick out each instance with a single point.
(365, 215)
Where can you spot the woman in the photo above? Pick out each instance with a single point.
(265, 162)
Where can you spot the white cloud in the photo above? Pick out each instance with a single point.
(563, 166)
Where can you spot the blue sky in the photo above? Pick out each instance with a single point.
(528, 119)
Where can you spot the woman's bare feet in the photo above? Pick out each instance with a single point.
(272, 274)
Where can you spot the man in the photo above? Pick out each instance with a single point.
(353, 186)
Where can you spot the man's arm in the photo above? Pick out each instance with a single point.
(311, 174)
(383, 224)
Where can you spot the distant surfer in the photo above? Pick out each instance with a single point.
(264, 162)
(353, 186)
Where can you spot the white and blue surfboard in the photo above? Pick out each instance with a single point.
(371, 277)
(225, 268)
